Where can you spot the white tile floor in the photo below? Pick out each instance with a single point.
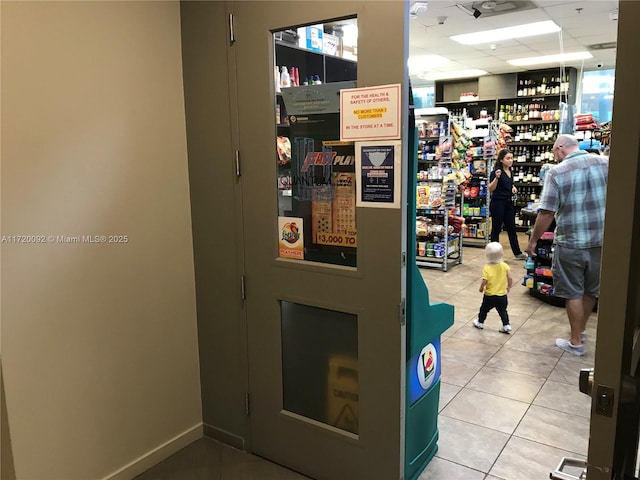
(510, 408)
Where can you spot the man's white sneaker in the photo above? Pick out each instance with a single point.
(505, 329)
(566, 345)
(477, 324)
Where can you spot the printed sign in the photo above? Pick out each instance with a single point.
(378, 167)
(291, 238)
(313, 99)
(337, 239)
(370, 113)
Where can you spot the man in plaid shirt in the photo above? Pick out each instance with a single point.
(574, 193)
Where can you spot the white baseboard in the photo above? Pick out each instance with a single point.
(155, 456)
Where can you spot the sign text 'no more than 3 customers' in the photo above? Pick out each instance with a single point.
(370, 113)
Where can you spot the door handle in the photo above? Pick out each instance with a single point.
(604, 395)
(585, 381)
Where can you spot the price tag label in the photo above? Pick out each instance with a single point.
(337, 239)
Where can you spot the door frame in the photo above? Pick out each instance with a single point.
(619, 310)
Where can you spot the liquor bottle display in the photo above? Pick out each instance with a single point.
(537, 107)
(536, 122)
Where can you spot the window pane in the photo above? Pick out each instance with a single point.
(597, 94)
(316, 172)
(320, 364)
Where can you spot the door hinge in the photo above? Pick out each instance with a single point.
(243, 288)
(402, 311)
(238, 171)
(404, 259)
(232, 31)
(247, 403)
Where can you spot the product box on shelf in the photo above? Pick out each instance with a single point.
(331, 45)
(311, 37)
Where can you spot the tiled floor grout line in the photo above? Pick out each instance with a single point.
(461, 295)
(530, 404)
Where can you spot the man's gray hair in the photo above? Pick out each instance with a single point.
(566, 140)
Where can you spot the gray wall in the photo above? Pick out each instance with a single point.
(99, 341)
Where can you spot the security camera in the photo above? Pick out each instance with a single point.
(599, 65)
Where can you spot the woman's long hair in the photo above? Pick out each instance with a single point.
(501, 154)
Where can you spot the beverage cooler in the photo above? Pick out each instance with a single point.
(425, 324)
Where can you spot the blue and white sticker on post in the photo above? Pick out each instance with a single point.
(426, 366)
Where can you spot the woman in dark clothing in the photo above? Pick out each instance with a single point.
(501, 205)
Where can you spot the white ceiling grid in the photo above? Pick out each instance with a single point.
(583, 23)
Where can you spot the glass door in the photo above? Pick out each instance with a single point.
(324, 278)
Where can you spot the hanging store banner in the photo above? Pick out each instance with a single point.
(378, 168)
(371, 113)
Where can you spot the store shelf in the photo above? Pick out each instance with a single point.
(448, 246)
(542, 262)
(430, 180)
(550, 299)
(309, 62)
(529, 164)
(531, 143)
(531, 98)
(432, 261)
(531, 122)
(470, 103)
(474, 241)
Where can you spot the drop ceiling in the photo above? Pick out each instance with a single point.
(585, 24)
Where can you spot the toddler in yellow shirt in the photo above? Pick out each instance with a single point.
(496, 283)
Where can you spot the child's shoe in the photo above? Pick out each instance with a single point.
(478, 324)
(505, 329)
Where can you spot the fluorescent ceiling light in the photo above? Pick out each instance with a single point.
(562, 57)
(423, 63)
(452, 74)
(508, 33)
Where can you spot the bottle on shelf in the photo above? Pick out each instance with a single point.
(529, 175)
(276, 78)
(285, 79)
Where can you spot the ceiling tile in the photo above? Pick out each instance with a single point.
(427, 36)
